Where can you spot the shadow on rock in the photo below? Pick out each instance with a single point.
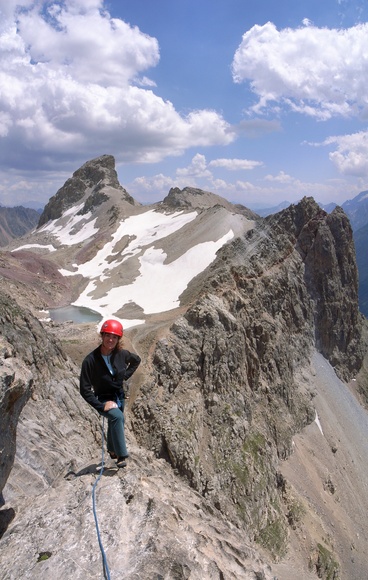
(94, 468)
(6, 517)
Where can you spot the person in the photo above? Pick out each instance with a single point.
(101, 384)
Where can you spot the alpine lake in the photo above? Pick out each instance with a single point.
(77, 314)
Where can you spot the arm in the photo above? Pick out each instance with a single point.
(86, 386)
(132, 362)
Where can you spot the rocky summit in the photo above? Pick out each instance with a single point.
(246, 421)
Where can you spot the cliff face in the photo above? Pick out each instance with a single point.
(326, 246)
(32, 364)
(222, 404)
(15, 390)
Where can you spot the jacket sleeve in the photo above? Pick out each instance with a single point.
(132, 362)
(86, 387)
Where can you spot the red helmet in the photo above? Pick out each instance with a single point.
(112, 327)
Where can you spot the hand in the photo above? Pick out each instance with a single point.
(110, 405)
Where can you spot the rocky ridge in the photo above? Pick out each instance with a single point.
(223, 403)
(151, 522)
(212, 415)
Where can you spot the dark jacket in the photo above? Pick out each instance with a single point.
(98, 384)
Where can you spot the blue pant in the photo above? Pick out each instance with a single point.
(115, 431)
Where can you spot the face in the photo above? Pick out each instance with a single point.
(109, 341)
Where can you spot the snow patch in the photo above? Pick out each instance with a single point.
(63, 231)
(159, 286)
(318, 423)
(49, 247)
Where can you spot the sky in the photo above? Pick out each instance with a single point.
(255, 100)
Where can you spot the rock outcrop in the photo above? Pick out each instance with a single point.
(92, 178)
(15, 389)
(192, 197)
(31, 365)
(222, 404)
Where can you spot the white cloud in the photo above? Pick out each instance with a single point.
(351, 156)
(197, 168)
(159, 183)
(196, 174)
(8, 8)
(282, 177)
(269, 189)
(320, 72)
(235, 164)
(72, 85)
(78, 40)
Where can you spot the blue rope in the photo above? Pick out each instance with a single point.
(104, 559)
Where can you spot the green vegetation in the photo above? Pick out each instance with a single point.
(253, 482)
(274, 538)
(42, 556)
(327, 567)
(251, 460)
(296, 512)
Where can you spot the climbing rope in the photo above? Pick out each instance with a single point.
(104, 559)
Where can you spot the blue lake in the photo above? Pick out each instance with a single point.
(77, 314)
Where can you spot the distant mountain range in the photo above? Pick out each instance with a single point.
(357, 210)
(18, 221)
(15, 222)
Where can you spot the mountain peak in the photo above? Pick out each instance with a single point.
(192, 197)
(92, 179)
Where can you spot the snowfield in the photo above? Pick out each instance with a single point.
(158, 280)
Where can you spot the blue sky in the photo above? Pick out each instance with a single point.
(258, 101)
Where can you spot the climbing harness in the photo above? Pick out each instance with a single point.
(104, 559)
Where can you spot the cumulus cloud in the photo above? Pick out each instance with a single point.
(319, 72)
(281, 177)
(72, 87)
(197, 174)
(159, 183)
(197, 168)
(351, 155)
(266, 191)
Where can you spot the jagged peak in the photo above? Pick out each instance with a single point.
(94, 176)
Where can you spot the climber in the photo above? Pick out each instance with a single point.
(101, 384)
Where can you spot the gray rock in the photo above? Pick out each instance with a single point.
(230, 362)
(92, 178)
